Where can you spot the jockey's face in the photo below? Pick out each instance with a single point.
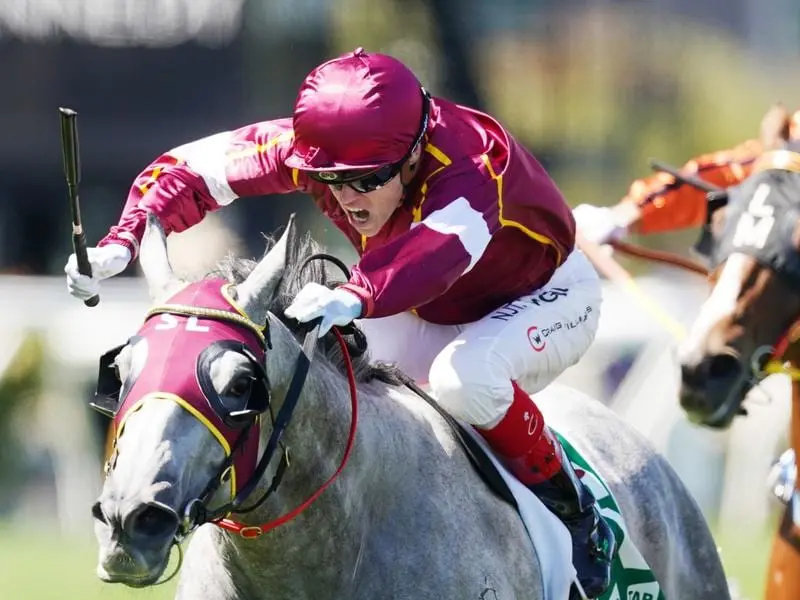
(369, 212)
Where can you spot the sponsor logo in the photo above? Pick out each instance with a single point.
(643, 591)
(548, 296)
(532, 422)
(536, 339)
(557, 326)
(328, 176)
(511, 309)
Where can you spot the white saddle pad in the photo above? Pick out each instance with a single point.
(549, 535)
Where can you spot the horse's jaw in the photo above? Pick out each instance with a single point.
(126, 563)
(165, 459)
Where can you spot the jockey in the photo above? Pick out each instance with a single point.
(658, 203)
(468, 278)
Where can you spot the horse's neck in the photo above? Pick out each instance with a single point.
(794, 420)
(792, 358)
(381, 455)
(328, 537)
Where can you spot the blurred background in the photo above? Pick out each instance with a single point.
(593, 88)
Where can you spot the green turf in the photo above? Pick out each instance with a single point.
(45, 566)
(745, 555)
(42, 565)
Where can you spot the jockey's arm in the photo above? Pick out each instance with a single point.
(187, 182)
(424, 262)
(657, 203)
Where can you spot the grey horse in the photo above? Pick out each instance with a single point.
(408, 517)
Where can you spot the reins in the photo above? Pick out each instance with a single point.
(282, 420)
(607, 266)
(254, 531)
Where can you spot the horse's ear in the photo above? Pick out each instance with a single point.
(256, 292)
(154, 261)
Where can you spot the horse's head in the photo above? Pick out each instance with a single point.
(187, 393)
(753, 245)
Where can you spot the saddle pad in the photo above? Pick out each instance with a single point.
(633, 579)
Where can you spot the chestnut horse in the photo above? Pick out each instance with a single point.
(750, 325)
(747, 327)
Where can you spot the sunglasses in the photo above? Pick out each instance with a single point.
(368, 181)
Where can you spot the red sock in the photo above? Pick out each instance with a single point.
(524, 441)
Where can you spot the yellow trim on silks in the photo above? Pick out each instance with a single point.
(438, 154)
(508, 222)
(149, 183)
(296, 177)
(785, 160)
(209, 313)
(192, 411)
(416, 212)
(259, 148)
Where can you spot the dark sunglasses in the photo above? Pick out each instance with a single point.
(364, 182)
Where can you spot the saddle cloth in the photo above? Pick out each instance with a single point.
(631, 575)
(550, 538)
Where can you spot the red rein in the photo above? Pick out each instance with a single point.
(254, 531)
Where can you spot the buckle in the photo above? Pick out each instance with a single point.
(250, 533)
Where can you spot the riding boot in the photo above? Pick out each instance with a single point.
(565, 495)
(534, 455)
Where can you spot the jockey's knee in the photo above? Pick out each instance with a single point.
(470, 387)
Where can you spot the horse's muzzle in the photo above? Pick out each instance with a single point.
(134, 547)
(713, 389)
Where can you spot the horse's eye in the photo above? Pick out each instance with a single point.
(240, 386)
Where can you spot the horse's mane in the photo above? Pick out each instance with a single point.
(299, 248)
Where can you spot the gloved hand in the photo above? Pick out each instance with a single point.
(106, 262)
(598, 224)
(336, 307)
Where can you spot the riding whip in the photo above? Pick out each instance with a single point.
(72, 173)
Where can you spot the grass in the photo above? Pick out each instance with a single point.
(41, 565)
(745, 555)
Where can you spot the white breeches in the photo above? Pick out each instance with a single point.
(470, 367)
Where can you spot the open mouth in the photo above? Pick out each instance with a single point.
(358, 215)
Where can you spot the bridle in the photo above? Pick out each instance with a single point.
(766, 360)
(196, 511)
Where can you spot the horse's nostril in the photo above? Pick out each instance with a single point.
(723, 366)
(97, 512)
(155, 521)
(689, 374)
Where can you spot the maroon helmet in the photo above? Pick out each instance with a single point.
(357, 113)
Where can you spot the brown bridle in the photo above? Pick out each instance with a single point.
(609, 268)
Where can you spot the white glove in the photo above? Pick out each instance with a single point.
(598, 224)
(106, 262)
(336, 307)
